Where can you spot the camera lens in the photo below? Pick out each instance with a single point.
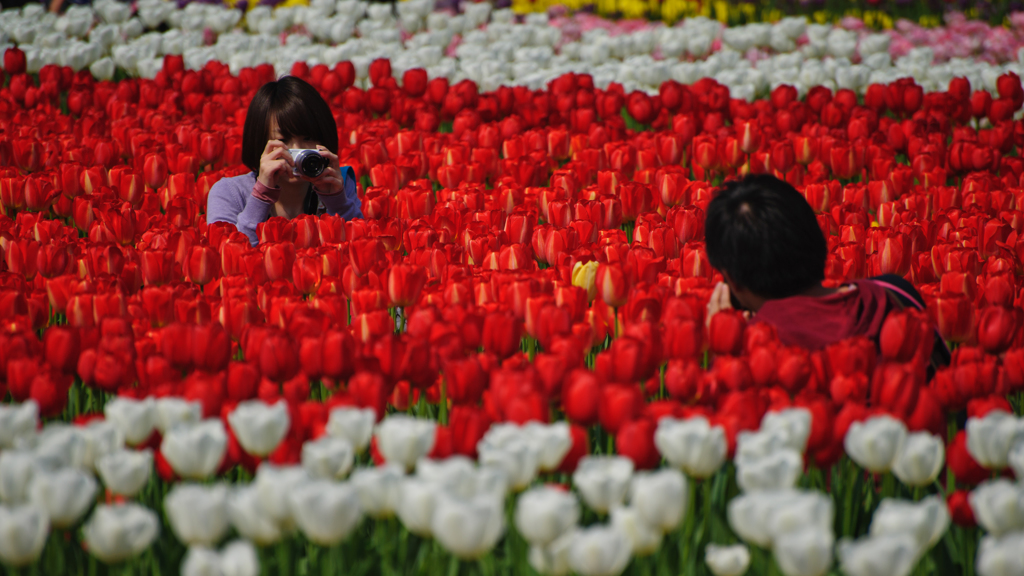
(310, 164)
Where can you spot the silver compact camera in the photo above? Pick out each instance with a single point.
(308, 163)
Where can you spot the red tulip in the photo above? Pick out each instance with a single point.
(611, 285)
(414, 82)
(306, 274)
(997, 328)
(380, 69)
(581, 393)
(468, 425)
(278, 357)
(905, 335)
(963, 465)
(635, 440)
(619, 404)
(61, 348)
(725, 332)
(14, 61)
(405, 282)
(155, 170)
(960, 510)
(203, 265)
(641, 107)
(211, 146)
(465, 380)
(953, 314)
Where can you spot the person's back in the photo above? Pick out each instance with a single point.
(764, 238)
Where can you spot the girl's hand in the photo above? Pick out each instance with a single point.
(275, 161)
(330, 181)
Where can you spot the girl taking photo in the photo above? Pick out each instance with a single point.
(285, 115)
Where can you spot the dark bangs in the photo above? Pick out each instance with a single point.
(300, 111)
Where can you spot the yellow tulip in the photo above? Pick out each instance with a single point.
(585, 276)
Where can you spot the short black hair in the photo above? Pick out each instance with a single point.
(765, 235)
(299, 110)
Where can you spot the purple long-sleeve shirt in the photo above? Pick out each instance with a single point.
(231, 201)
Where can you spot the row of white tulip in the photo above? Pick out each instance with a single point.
(48, 482)
(490, 47)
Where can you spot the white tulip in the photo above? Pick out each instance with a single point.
(125, 472)
(274, 484)
(198, 514)
(602, 481)
(102, 437)
(135, 418)
(659, 498)
(119, 532)
(998, 506)
(893, 555)
(61, 445)
(518, 459)
(417, 499)
(23, 532)
(195, 450)
(644, 538)
(754, 445)
(807, 509)
(260, 427)
(64, 494)
(553, 559)
(404, 440)
(456, 474)
(919, 459)
(841, 43)
(554, 440)
(873, 44)
(692, 445)
(328, 457)
(806, 552)
(600, 551)
(544, 514)
(989, 439)
(238, 558)
(200, 561)
(727, 560)
(17, 420)
(926, 521)
(171, 410)
(468, 529)
(326, 512)
(757, 517)
(1001, 555)
(793, 423)
(16, 470)
(873, 444)
(378, 489)
(774, 471)
(1015, 460)
(252, 522)
(738, 39)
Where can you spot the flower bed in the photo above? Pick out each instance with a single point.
(505, 367)
(751, 59)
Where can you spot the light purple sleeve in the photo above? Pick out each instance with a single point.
(231, 201)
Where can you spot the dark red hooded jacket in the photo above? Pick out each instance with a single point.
(814, 322)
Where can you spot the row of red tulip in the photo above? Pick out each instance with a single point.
(553, 221)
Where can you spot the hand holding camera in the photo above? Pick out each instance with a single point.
(318, 166)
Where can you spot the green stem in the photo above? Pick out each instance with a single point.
(686, 540)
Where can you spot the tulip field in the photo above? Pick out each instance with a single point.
(507, 366)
